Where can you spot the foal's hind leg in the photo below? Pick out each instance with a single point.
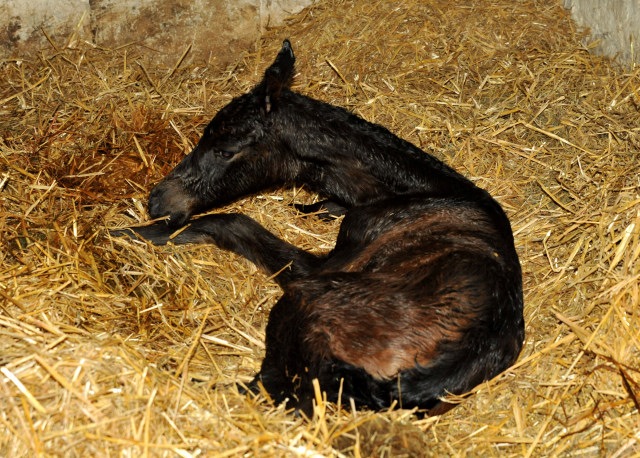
(241, 235)
(325, 209)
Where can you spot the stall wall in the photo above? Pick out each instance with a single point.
(615, 24)
(218, 30)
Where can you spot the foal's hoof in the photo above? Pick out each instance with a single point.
(158, 233)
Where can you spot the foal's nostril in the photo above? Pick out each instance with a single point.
(154, 210)
(155, 204)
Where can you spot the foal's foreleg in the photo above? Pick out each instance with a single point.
(239, 234)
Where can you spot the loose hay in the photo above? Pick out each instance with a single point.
(114, 347)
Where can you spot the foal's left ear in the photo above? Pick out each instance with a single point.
(276, 77)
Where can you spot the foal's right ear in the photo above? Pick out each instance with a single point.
(276, 77)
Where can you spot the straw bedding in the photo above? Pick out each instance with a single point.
(112, 347)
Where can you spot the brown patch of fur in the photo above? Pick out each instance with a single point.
(446, 225)
(369, 322)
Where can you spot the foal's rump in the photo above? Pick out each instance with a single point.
(413, 338)
(421, 310)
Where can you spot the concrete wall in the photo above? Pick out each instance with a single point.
(218, 29)
(616, 23)
(21, 21)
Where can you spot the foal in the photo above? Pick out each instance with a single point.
(422, 294)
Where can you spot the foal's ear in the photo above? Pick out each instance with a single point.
(276, 77)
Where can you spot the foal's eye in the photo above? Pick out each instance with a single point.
(226, 154)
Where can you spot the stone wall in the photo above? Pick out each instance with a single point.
(218, 30)
(615, 23)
